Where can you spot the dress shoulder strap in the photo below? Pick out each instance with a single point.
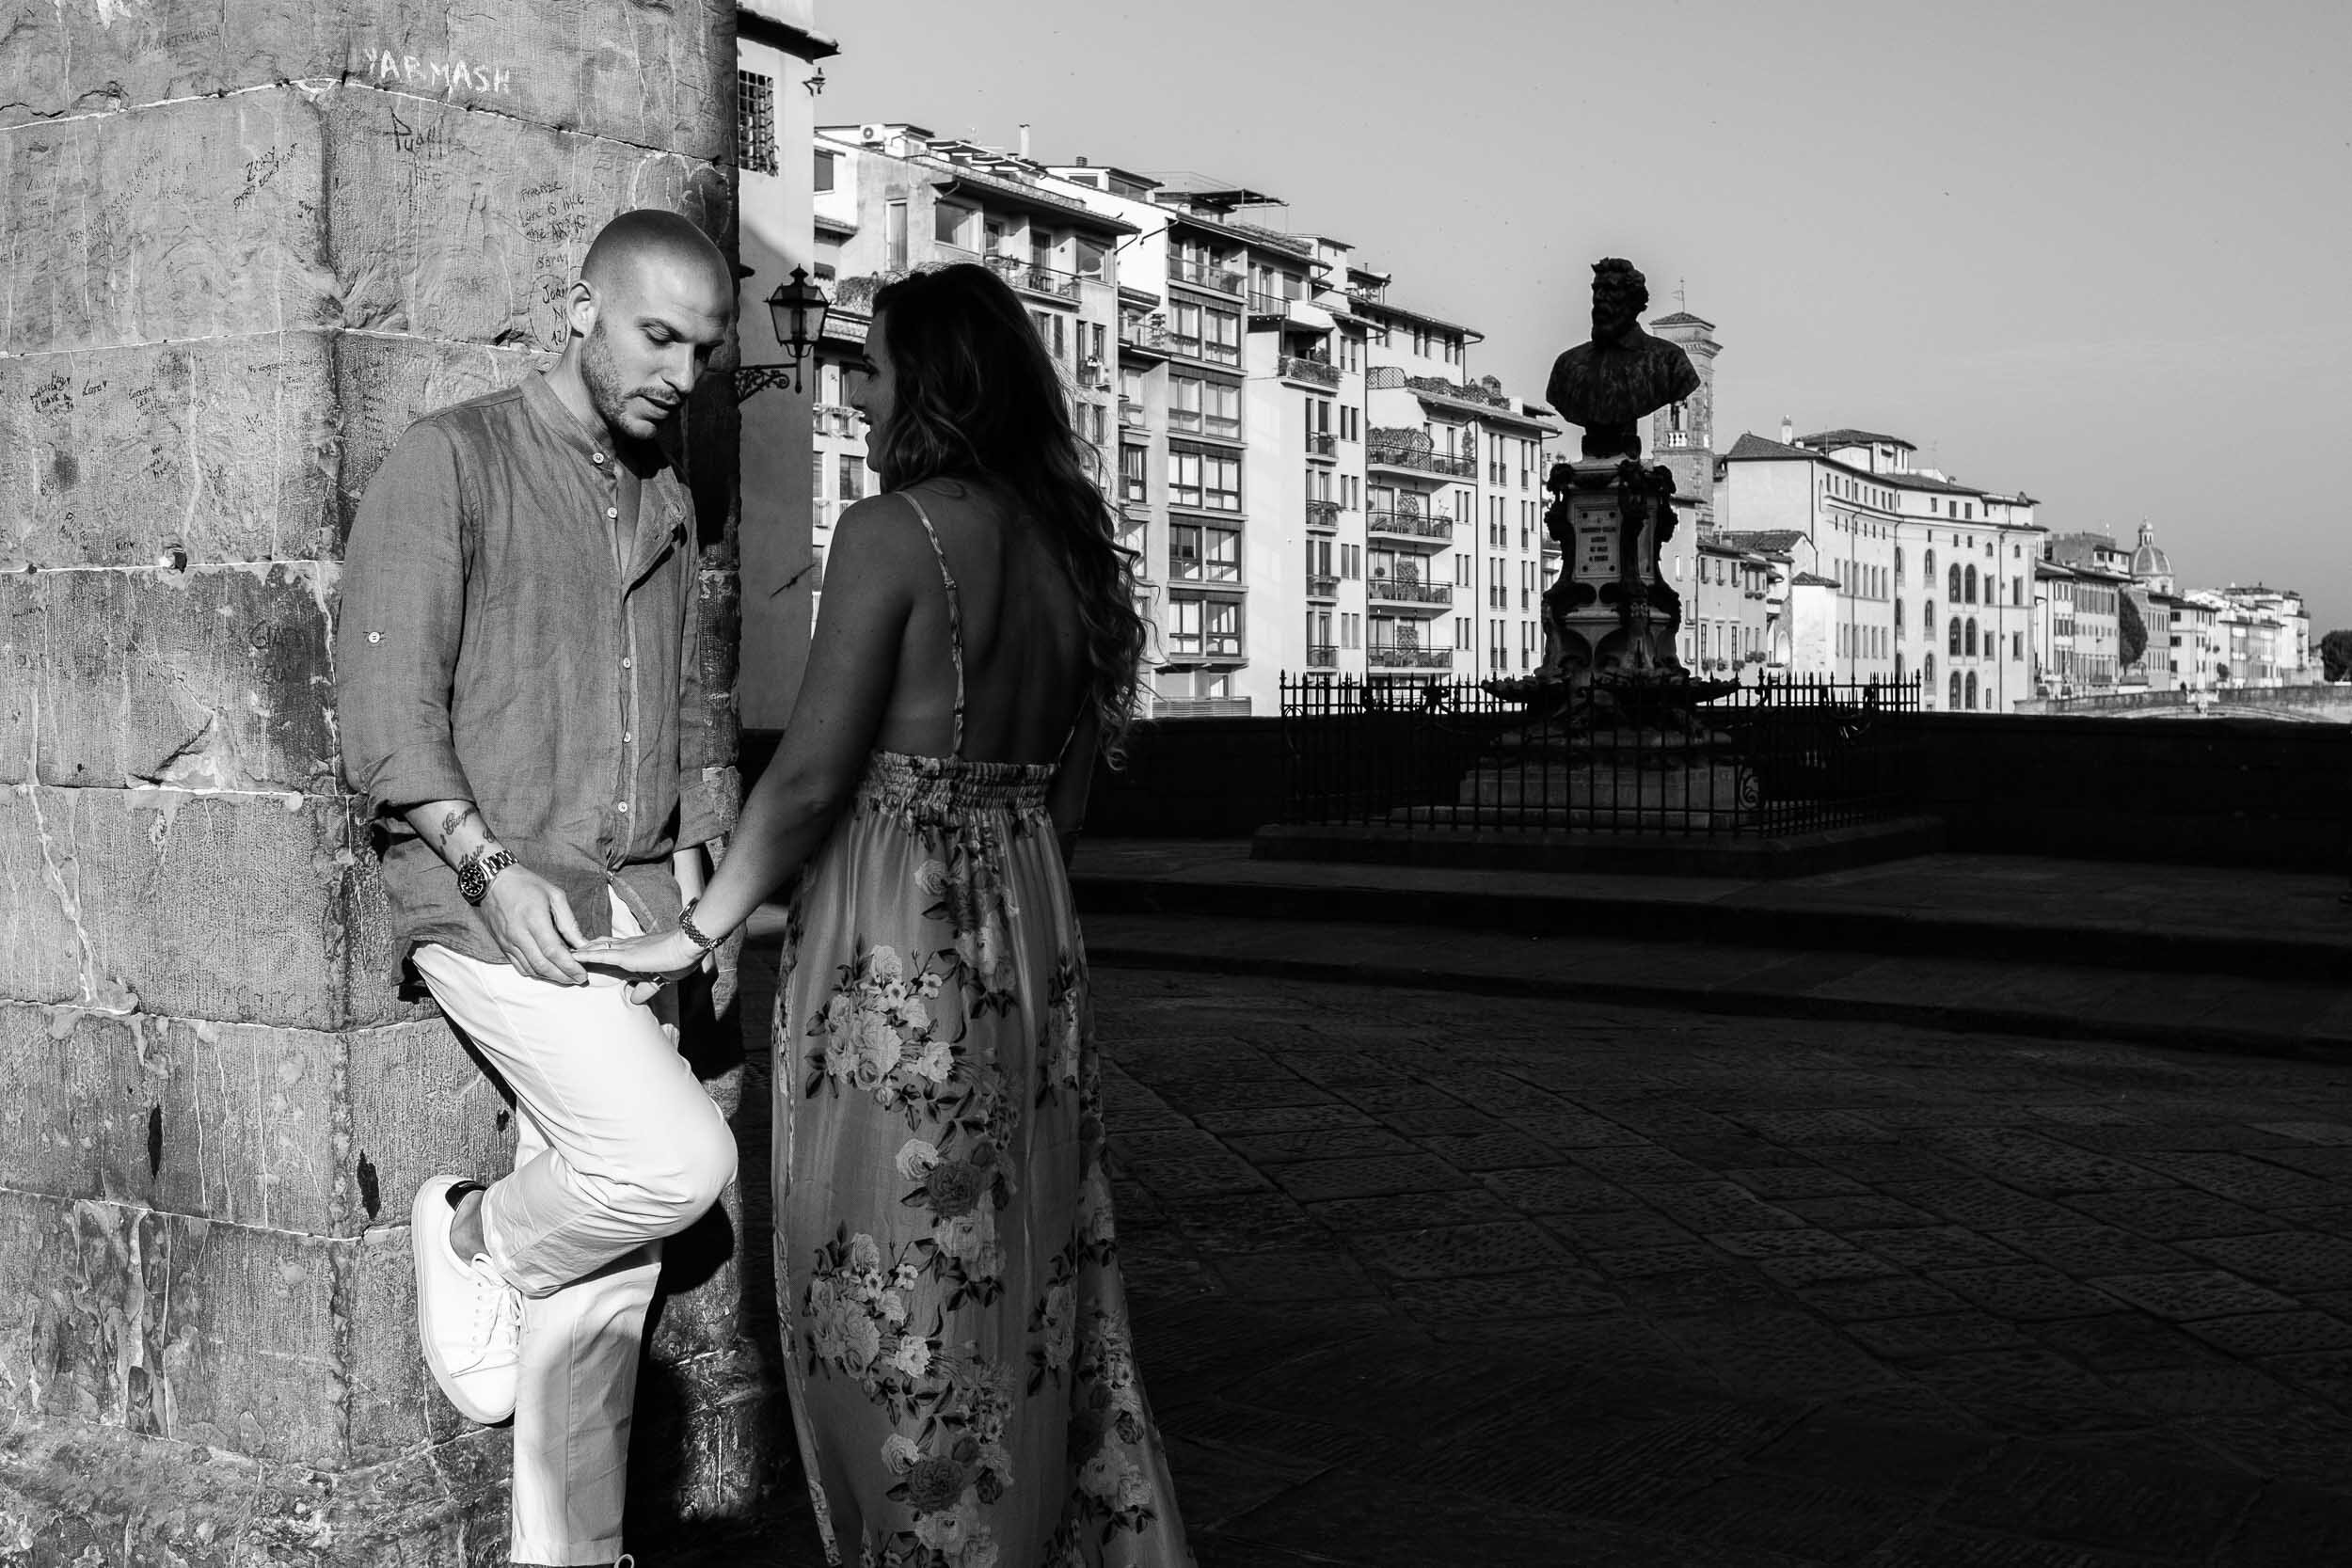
(955, 615)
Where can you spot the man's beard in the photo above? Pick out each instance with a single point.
(606, 392)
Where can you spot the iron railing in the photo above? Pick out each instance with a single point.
(1323, 656)
(1322, 514)
(1205, 275)
(1393, 591)
(1396, 456)
(1323, 587)
(1411, 524)
(1322, 443)
(1037, 279)
(1769, 760)
(1308, 368)
(1408, 655)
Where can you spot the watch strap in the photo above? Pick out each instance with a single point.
(475, 875)
(694, 932)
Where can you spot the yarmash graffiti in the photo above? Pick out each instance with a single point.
(455, 74)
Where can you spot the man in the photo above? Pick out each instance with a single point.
(515, 645)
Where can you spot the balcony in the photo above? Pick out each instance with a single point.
(1036, 279)
(1322, 443)
(1269, 308)
(833, 419)
(1322, 588)
(1399, 656)
(1130, 412)
(1410, 524)
(1205, 275)
(1391, 456)
(1322, 514)
(1434, 595)
(1308, 368)
(1200, 707)
(1144, 336)
(1323, 657)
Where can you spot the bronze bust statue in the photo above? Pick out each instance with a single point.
(1624, 375)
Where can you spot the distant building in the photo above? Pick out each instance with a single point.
(1726, 612)
(1932, 578)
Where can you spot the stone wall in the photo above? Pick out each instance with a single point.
(246, 241)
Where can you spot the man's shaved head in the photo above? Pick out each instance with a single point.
(654, 300)
(646, 236)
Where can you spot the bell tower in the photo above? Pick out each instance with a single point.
(1682, 435)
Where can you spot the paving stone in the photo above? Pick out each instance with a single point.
(1820, 1268)
(1778, 1243)
(1638, 1163)
(1207, 1173)
(2244, 1179)
(2333, 1165)
(2337, 1133)
(2172, 1215)
(2290, 1259)
(2025, 1291)
(2293, 1527)
(1566, 1130)
(1734, 1153)
(2028, 1392)
(1619, 1470)
(2327, 1373)
(1460, 1252)
(1815, 1521)
(1371, 1177)
(1553, 1190)
(2083, 1250)
(1501, 1149)
(1247, 1120)
(1781, 1183)
(2274, 1333)
(1315, 1143)
(1409, 1210)
(1936, 1333)
(1885, 1458)
(1813, 1127)
(2210, 1293)
(1224, 1424)
(1893, 1296)
(1170, 1143)
(1884, 1164)
(1941, 1545)
(1843, 1214)
(1633, 1262)
(1987, 1205)
(1247, 1221)
(1293, 1276)
(1708, 1206)
(2122, 1343)
(1769, 1354)
(2202, 1390)
(1933, 1246)
(2056, 1494)
(2042, 1165)
(1217, 1094)
(1440, 1119)
(1673, 1297)
(2304, 1443)
(1565, 1293)
(1618, 1230)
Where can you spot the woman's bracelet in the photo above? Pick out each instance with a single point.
(693, 933)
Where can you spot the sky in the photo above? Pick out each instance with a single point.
(2097, 250)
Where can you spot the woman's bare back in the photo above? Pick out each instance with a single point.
(1024, 657)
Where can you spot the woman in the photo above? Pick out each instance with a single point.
(956, 1331)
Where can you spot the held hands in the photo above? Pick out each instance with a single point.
(531, 922)
(664, 956)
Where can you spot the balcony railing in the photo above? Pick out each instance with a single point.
(1398, 657)
(1305, 367)
(1390, 591)
(1204, 274)
(1268, 305)
(833, 418)
(1410, 525)
(1145, 335)
(1048, 281)
(1322, 514)
(1322, 443)
(1427, 461)
(1322, 588)
(1200, 707)
(1322, 657)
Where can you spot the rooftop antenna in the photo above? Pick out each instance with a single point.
(1683, 295)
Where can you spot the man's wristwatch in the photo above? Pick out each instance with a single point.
(475, 871)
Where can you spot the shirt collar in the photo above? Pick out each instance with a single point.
(648, 457)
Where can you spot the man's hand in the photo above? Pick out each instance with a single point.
(531, 922)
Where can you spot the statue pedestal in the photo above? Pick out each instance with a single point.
(1610, 611)
(1667, 779)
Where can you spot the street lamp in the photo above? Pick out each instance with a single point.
(797, 309)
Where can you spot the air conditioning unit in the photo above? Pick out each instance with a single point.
(870, 134)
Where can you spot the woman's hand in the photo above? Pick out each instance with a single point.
(664, 956)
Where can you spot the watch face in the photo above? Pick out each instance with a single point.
(471, 883)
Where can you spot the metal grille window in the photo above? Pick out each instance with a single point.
(755, 123)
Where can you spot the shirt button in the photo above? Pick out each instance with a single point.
(596, 457)
(612, 512)
(626, 736)
(629, 664)
(623, 808)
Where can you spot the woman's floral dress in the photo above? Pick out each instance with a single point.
(962, 1379)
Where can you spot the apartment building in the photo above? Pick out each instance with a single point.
(1930, 578)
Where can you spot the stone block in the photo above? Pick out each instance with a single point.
(241, 909)
(197, 219)
(223, 448)
(94, 1494)
(171, 1327)
(209, 678)
(286, 1129)
(383, 383)
(472, 225)
(626, 68)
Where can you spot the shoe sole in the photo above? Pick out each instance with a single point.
(425, 1228)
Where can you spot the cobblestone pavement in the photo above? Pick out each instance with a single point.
(1435, 1278)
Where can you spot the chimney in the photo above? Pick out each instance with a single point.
(1787, 431)
(1025, 139)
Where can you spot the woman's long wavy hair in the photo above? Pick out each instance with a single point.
(978, 399)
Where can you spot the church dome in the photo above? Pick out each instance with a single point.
(2148, 561)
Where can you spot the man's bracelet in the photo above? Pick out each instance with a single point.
(693, 933)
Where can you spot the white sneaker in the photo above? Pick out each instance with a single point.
(468, 1320)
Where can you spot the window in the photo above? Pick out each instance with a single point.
(1955, 690)
(1184, 402)
(853, 472)
(1207, 480)
(1184, 329)
(1133, 473)
(1952, 642)
(1222, 342)
(1968, 642)
(1196, 553)
(823, 178)
(953, 225)
(1971, 580)
(895, 236)
(755, 125)
(1972, 689)
(1952, 584)
(1093, 258)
